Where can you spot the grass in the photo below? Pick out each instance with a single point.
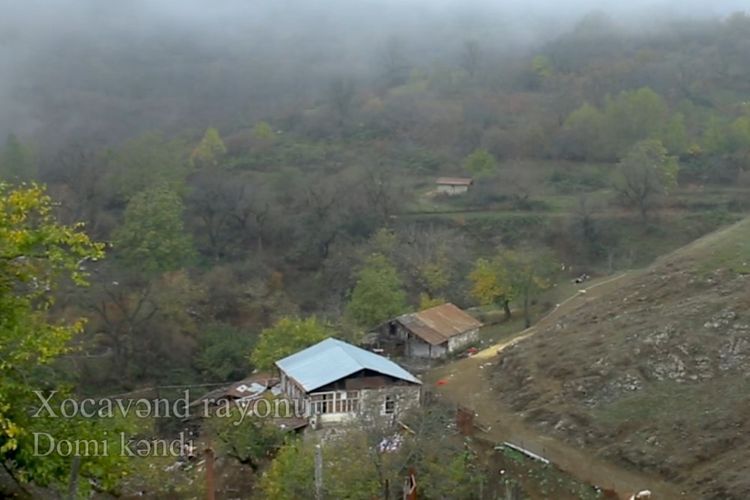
(728, 249)
(663, 402)
(542, 480)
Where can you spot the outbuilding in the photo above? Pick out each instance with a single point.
(453, 185)
(431, 333)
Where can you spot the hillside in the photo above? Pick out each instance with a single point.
(653, 373)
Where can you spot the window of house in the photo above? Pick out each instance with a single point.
(389, 406)
(322, 403)
(335, 402)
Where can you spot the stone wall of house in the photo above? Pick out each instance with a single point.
(418, 348)
(373, 402)
(452, 190)
(459, 341)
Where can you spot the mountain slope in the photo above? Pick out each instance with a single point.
(655, 373)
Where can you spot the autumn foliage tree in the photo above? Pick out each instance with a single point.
(512, 275)
(37, 255)
(209, 150)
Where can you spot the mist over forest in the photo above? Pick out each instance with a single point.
(86, 71)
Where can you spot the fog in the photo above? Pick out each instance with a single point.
(88, 70)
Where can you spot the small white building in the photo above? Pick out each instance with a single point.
(432, 333)
(453, 185)
(338, 382)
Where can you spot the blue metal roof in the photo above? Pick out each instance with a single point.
(332, 360)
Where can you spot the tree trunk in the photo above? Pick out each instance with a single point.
(506, 308)
(526, 310)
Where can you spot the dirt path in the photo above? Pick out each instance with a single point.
(467, 385)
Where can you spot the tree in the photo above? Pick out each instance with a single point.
(646, 173)
(471, 57)
(17, 160)
(511, 275)
(152, 238)
(529, 273)
(394, 62)
(210, 150)
(357, 468)
(286, 337)
(582, 133)
(542, 67)
(481, 163)
(378, 294)
(147, 161)
(491, 284)
(37, 254)
(674, 136)
(249, 439)
(631, 117)
(341, 96)
(223, 352)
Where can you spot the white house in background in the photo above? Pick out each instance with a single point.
(453, 185)
(339, 382)
(431, 333)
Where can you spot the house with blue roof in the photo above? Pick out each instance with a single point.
(338, 382)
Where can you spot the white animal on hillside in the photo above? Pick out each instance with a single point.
(641, 495)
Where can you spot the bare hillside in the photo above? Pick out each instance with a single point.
(653, 374)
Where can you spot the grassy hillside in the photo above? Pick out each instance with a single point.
(654, 373)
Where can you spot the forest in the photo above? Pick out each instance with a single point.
(186, 197)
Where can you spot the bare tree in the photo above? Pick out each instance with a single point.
(471, 57)
(394, 62)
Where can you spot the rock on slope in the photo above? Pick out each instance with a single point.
(655, 374)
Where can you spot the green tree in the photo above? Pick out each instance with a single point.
(262, 131)
(147, 161)
(37, 254)
(209, 150)
(152, 238)
(582, 133)
(674, 136)
(223, 352)
(286, 337)
(17, 160)
(481, 163)
(291, 474)
(355, 468)
(715, 137)
(529, 272)
(542, 67)
(633, 116)
(378, 294)
(646, 173)
(249, 439)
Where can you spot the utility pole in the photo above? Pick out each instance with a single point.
(73, 484)
(318, 472)
(210, 491)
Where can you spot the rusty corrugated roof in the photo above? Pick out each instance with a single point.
(437, 324)
(455, 181)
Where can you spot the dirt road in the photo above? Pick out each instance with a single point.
(464, 382)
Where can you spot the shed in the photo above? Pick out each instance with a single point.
(431, 333)
(453, 185)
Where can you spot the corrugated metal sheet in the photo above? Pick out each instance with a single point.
(437, 324)
(332, 360)
(455, 181)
